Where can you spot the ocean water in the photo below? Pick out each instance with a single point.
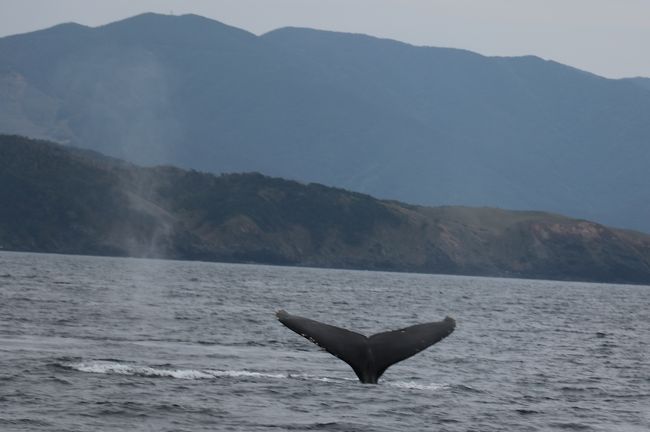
(108, 344)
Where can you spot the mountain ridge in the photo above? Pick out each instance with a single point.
(420, 124)
(65, 200)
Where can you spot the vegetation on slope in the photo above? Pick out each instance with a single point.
(66, 200)
(357, 112)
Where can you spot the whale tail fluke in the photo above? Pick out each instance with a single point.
(369, 357)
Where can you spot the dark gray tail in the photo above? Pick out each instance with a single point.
(369, 357)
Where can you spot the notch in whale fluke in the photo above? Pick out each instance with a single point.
(369, 357)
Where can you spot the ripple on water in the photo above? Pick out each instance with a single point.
(123, 344)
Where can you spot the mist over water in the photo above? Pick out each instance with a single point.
(113, 344)
(129, 103)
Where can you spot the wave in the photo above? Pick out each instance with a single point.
(112, 367)
(119, 368)
(411, 385)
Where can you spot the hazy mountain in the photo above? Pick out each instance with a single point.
(424, 125)
(641, 81)
(58, 199)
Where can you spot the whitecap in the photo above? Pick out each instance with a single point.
(243, 373)
(118, 368)
(122, 368)
(412, 385)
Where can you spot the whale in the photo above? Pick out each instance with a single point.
(369, 356)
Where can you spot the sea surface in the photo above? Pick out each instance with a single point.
(110, 344)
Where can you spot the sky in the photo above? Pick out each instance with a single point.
(607, 37)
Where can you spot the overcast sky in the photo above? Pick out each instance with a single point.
(607, 37)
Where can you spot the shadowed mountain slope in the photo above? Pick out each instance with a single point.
(419, 124)
(66, 200)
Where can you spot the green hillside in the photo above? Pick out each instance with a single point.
(65, 200)
(432, 126)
